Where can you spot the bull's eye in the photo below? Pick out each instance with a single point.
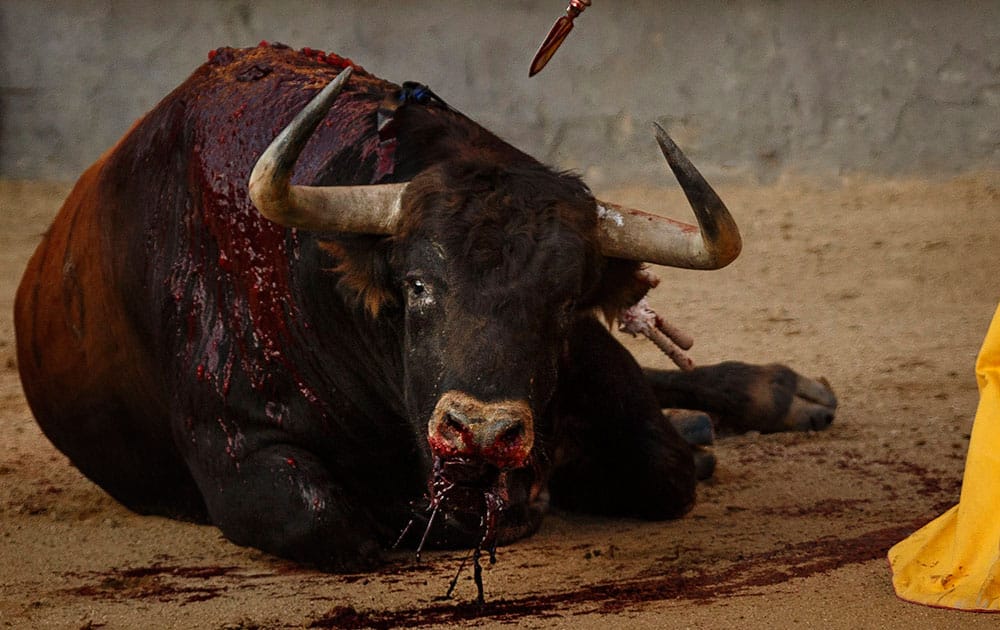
(418, 292)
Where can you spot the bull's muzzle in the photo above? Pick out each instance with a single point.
(500, 433)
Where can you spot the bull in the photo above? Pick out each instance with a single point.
(397, 320)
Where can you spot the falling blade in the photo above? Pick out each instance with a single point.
(553, 40)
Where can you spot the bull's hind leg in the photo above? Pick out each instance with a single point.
(615, 451)
(742, 397)
(93, 390)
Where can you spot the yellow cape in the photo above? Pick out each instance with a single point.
(954, 561)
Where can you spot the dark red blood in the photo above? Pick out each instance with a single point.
(467, 490)
(234, 284)
(386, 158)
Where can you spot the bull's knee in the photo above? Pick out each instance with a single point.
(282, 500)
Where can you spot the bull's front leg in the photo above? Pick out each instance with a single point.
(743, 397)
(280, 498)
(615, 452)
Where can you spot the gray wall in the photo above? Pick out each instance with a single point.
(751, 89)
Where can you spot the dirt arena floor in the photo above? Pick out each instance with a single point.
(886, 288)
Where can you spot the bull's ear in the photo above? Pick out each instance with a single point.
(362, 264)
(619, 287)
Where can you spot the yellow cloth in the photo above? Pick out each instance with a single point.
(954, 561)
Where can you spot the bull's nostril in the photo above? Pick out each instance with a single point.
(511, 434)
(452, 429)
(453, 422)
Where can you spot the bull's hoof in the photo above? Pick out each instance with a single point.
(694, 426)
(697, 429)
(704, 463)
(772, 398)
(812, 407)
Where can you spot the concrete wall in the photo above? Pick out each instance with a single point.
(751, 89)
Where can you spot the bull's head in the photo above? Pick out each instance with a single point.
(490, 265)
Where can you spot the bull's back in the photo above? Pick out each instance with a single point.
(85, 374)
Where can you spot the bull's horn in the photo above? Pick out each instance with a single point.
(372, 209)
(637, 235)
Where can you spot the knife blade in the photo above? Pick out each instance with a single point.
(557, 35)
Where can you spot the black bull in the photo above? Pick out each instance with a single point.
(301, 389)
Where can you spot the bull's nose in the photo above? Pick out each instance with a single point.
(501, 433)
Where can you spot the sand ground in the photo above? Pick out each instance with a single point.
(885, 288)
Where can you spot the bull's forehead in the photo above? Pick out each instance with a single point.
(532, 258)
(504, 231)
